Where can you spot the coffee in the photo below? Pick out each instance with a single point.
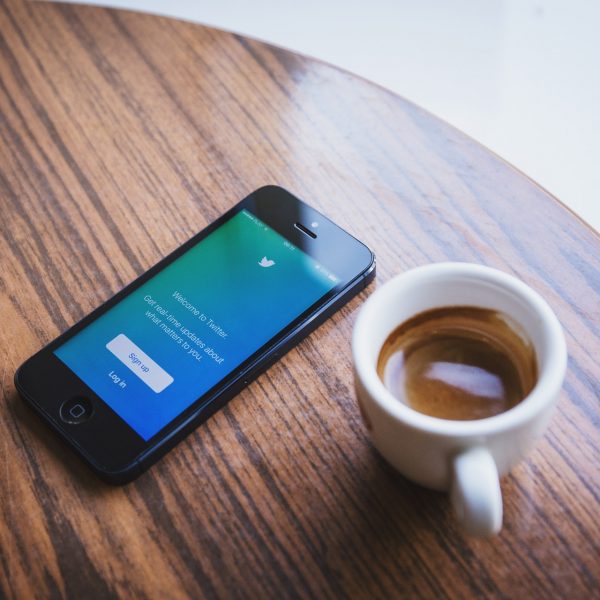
(458, 362)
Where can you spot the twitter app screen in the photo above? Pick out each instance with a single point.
(176, 336)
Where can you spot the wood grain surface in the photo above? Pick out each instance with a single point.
(123, 134)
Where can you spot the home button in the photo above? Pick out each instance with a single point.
(76, 410)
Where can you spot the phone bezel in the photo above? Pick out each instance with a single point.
(45, 382)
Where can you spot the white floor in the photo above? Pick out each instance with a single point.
(520, 76)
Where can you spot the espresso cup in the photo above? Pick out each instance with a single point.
(464, 458)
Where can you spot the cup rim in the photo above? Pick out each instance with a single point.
(549, 380)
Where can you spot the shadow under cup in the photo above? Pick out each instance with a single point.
(422, 447)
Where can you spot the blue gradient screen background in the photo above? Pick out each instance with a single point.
(221, 278)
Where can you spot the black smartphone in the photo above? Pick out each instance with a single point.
(134, 377)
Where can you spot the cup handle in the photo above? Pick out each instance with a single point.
(475, 493)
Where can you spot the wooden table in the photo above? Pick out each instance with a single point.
(123, 134)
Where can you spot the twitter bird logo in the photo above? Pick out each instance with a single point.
(266, 262)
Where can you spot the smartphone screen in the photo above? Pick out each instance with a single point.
(163, 346)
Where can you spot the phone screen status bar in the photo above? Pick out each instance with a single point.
(255, 219)
(318, 267)
(325, 273)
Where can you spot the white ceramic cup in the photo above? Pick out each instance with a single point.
(465, 458)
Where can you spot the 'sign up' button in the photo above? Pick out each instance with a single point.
(154, 376)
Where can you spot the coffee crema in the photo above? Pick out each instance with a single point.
(459, 363)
